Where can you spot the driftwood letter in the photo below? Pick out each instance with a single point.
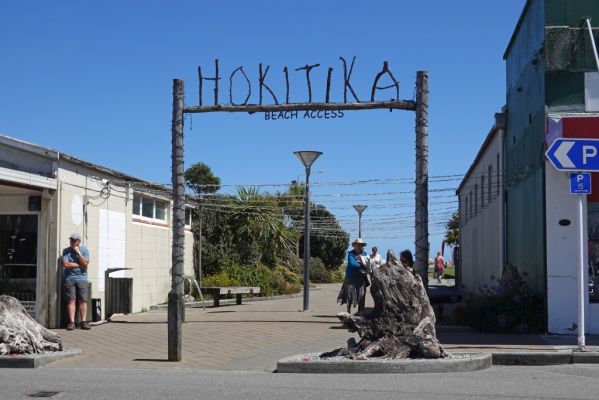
(215, 79)
(308, 68)
(286, 71)
(328, 85)
(395, 84)
(264, 85)
(346, 78)
(231, 86)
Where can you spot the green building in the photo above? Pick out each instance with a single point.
(552, 91)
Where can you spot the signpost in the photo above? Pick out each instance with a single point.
(577, 155)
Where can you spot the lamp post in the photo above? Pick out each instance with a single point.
(320, 171)
(307, 158)
(360, 209)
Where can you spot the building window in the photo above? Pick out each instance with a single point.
(188, 212)
(470, 208)
(489, 183)
(482, 192)
(466, 209)
(476, 199)
(498, 176)
(149, 208)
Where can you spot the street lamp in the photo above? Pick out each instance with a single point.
(320, 171)
(307, 158)
(360, 209)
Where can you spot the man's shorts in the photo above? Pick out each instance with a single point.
(75, 290)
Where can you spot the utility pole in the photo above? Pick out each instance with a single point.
(200, 243)
(175, 296)
(422, 244)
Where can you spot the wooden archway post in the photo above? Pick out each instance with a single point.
(175, 296)
(421, 241)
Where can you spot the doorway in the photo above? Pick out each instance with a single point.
(18, 258)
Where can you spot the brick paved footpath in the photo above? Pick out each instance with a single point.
(251, 336)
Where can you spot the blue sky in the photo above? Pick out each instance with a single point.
(93, 79)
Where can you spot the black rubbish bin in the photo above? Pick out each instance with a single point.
(118, 297)
(96, 310)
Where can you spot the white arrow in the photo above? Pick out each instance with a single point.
(561, 155)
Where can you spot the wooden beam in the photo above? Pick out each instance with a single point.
(408, 105)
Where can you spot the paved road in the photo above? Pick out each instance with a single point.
(250, 337)
(579, 382)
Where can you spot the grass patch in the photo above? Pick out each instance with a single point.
(448, 273)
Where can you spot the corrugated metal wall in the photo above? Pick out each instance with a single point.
(524, 149)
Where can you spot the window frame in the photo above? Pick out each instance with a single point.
(482, 192)
(490, 185)
(471, 216)
(138, 214)
(476, 199)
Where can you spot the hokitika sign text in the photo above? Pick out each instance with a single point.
(256, 94)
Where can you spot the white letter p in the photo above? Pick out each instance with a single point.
(588, 152)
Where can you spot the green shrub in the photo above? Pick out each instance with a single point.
(318, 272)
(295, 265)
(272, 282)
(338, 275)
(510, 306)
(222, 278)
(285, 282)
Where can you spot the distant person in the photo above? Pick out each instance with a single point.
(439, 267)
(75, 260)
(353, 291)
(407, 260)
(376, 261)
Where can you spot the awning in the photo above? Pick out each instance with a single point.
(26, 178)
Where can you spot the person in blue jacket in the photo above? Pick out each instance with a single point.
(353, 291)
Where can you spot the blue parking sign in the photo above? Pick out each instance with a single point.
(580, 183)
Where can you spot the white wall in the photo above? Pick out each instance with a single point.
(479, 234)
(114, 239)
(562, 258)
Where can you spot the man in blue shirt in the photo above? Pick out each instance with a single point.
(75, 260)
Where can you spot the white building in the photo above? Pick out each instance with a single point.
(481, 214)
(125, 222)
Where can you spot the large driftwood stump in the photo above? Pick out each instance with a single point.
(21, 334)
(402, 324)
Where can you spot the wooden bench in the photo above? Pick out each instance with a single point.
(217, 292)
